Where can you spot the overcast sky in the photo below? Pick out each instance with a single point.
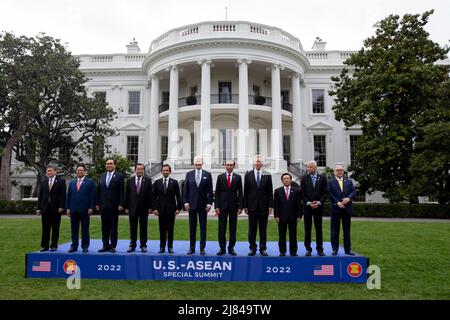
(106, 26)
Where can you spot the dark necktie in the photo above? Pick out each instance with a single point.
(229, 181)
(165, 185)
(258, 179)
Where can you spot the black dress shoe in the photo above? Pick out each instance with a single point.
(162, 250)
(293, 254)
(85, 250)
(232, 252)
(103, 250)
(53, 249)
(263, 253)
(72, 250)
(143, 249)
(220, 252)
(334, 253)
(252, 252)
(308, 254)
(321, 254)
(202, 252)
(349, 253)
(112, 250)
(131, 249)
(170, 250)
(43, 249)
(190, 251)
(282, 254)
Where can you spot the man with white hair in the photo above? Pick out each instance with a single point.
(314, 189)
(198, 199)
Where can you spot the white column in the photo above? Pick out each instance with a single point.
(173, 115)
(243, 137)
(154, 120)
(276, 134)
(205, 113)
(296, 119)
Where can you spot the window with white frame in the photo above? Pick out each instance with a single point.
(134, 102)
(318, 100)
(133, 149)
(320, 150)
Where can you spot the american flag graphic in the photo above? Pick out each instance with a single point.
(42, 266)
(324, 270)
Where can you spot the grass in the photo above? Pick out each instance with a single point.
(414, 258)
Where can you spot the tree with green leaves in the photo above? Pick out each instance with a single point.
(46, 115)
(394, 90)
(123, 165)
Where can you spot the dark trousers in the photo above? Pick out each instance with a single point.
(282, 228)
(51, 221)
(75, 219)
(166, 224)
(202, 215)
(224, 216)
(336, 218)
(317, 215)
(255, 220)
(142, 219)
(110, 219)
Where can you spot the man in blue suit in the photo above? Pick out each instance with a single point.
(80, 206)
(341, 192)
(198, 199)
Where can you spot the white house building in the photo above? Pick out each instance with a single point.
(226, 90)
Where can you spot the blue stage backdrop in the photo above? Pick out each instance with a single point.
(210, 267)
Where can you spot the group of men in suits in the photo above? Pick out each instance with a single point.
(139, 197)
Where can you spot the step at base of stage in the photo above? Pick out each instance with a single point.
(196, 267)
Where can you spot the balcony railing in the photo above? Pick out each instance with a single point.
(224, 98)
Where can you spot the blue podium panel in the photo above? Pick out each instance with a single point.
(209, 267)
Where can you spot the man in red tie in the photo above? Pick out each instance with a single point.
(228, 203)
(138, 204)
(288, 211)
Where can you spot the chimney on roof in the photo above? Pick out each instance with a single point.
(319, 45)
(133, 47)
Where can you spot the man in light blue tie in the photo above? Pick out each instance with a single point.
(110, 200)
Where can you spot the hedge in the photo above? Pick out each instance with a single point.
(376, 210)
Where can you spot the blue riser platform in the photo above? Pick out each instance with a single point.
(210, 267)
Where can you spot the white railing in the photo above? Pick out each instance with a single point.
(235, 29)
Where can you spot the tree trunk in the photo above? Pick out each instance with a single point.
(5, 177)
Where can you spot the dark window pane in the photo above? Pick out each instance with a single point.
(134, 102)
(318, 105)
(320, 150)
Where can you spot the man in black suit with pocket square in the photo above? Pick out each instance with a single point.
(228, 203)
(167, 205)
(50, 206)
(258, 205)
(138, 204)
(198, 199)
(314, 188)
(110, 199)
(287, 203)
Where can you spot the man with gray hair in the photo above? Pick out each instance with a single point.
(314, 188)
(198, 200)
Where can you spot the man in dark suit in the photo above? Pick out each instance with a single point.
(110, 199)
(167, 205)
(228, 203)
(198, 199)
(138, 204)
(287, 203)
(314, 188)
(80, 206)
(50, 206)
(258, 204)
(341, 192)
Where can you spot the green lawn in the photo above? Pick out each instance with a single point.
(414, 259)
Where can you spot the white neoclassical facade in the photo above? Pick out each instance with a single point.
(226, 90)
